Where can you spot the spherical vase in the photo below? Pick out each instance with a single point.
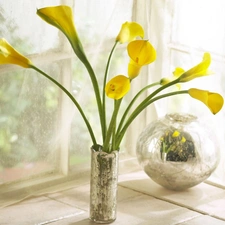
(178, 151)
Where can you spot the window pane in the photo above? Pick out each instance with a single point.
(191, 37)
(29, 108)
(35, 116)
(97, 32)
(200, 25)
(24, 29)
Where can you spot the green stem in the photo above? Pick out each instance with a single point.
(132, 102)
(138, 110)
(81, 55)
(73, 100)
(103, 91)
(111, 127)
(114, 131)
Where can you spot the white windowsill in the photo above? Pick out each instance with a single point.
(140, 201)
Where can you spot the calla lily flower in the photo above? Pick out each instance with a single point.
(141, 53)
(129, 31)
(61, 17)
(213, 101)
(177, 73)
(117, 87)
(133, 69)
(198, 71)
(8, 55)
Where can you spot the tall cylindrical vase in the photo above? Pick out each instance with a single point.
(103, 185)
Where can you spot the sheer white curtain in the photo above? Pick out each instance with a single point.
(43, 139)
(182, 31)
(42, 135)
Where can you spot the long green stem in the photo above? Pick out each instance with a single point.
(131, 104)
(111, 127)
(103, 91)
(138, 110)
(94, 81)
(73, 100)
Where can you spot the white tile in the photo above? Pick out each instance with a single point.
(36, 211)
(148, 210)
(215, 207)
(140, 202)
(206, 220)
(79, 197)
(76, 197)
(203, 197)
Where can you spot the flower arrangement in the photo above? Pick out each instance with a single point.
(141, 53)
(177, 145)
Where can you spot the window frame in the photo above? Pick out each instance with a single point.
(152, 21)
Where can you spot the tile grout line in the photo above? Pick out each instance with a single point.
(175, 203)
(65, 203)
(60, 218)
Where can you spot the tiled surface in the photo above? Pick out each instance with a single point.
(203, 198)
(140, 202)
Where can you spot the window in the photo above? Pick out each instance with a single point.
(42, 136)
(183, 31)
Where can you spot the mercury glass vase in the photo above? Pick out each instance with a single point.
(103, 185)
(178, 151)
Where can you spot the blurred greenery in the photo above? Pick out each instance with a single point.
(29, 104)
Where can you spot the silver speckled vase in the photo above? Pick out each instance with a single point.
(103, 185)
(178, 151)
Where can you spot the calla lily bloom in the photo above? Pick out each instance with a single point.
(141, 53)
(133, 69)
(129, 31)
(213, 101)
(178, 71)
(117, 87)
(198, 71)
(62, 18)
(8, 55)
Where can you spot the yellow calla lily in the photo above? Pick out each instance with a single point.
(178, 71)
(129, 31)
(117, 87)
(61, 17)
(133, 69)
(8, 55)
(197, 71)
(213, 101)
(141, 53)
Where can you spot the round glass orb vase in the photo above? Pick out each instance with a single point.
(178, 151)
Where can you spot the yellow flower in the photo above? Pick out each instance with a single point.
(197, 71)
(133, 69)
(8, 55)
(117, 87)
(141, 53)
(62, 18)
(213, 101)
(176, 133)
(183, 139)
(178, 71)
(129, 31)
